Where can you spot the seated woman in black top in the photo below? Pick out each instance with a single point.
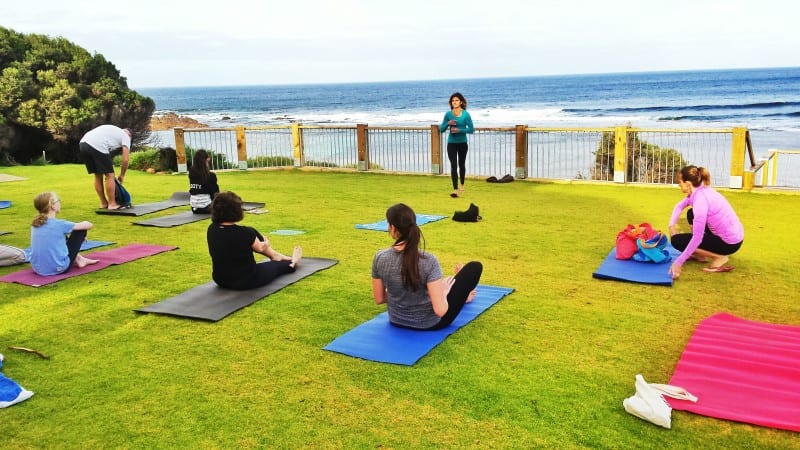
(202, 183)
(231, 248)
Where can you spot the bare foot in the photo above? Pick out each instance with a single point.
(297, 255)
(462, 190)
(82, 261)
(718, 262)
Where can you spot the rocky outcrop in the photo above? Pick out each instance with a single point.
(171, 120)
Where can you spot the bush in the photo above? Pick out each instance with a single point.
(646, 163)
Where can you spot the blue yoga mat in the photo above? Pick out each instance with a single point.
(5, 204)
(422, 219)
(634, 271)
(378, 340)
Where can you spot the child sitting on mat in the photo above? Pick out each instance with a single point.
(231, 247)
(203, 185)
(716, 230)
(55, 243)
(410, 281)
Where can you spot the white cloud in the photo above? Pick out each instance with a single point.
(162, 43)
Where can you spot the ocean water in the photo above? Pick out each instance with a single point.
(766, 101)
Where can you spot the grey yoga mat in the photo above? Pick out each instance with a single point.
(184, 217)
(211, 302)
(177, 199)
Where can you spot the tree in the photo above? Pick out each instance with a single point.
(53, 91)
(646, 163)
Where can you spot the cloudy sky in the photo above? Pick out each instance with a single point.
(241, 42)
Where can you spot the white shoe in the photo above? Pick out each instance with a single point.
(648, 404)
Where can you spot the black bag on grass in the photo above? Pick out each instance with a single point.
(470, 215)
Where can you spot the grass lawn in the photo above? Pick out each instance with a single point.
(547, 367)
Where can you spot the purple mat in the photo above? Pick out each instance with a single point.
(105, 258)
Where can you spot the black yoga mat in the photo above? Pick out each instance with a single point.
(184, 217)
(211, 302)
(177, 199)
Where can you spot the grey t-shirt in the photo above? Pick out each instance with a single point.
(406, 307)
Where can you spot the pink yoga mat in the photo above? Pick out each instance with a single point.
(742, 370)
(105, 258)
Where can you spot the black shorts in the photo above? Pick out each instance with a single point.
(96, 162)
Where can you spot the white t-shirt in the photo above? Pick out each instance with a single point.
(106, 138)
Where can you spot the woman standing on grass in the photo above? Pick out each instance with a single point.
(231, 247)
(202, 183)
(410, 281)
(716, 230)
(459, 122)
(55, 243)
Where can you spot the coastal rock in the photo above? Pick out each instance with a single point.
(171, 120)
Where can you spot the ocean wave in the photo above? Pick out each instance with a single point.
(666, 108)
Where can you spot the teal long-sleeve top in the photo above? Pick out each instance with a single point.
(463, 123)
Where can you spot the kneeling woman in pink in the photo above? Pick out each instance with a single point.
(410, 281)
(716, 230)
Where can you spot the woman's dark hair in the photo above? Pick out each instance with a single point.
(226, 207)
(402, 217)
(200, 165)
(460, 97)
(696, 175)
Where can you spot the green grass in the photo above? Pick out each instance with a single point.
(547, 367)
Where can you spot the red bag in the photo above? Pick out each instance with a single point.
(626, 239)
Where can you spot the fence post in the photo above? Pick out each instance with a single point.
(620, 154)
(436, 150)
(361, 145)
(738, 147)
(241, 147)
(180, 149)
(297, 146)
(521, 150)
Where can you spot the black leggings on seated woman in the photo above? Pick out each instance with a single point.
(465, 282)
(74, 242)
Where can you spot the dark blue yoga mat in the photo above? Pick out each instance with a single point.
(5, 204)
(635, 271)
(382, 225)
(378, 340)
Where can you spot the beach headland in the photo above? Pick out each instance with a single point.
(171, 120)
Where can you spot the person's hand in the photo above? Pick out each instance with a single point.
(454, 130)
(121, 178)
(447, 283)
(451, 122)
(673, 230)
(458, 267)
(675, 270)
(471, 295)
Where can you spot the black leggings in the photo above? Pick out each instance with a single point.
(466, 280)
(711, 242)
(457, 154)
(74, 242)
(266, 271)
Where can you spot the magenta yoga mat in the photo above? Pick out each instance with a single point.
(105, 258)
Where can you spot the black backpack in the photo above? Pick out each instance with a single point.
(470, 215)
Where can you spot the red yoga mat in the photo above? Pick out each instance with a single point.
(742, 370)
(105, 258)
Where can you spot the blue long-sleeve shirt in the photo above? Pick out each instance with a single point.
(463, 123)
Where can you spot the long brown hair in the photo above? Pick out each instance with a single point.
(403, 218)
(44, 204)
(696, 175)
(200, 165)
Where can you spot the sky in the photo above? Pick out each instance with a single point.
(168, 43)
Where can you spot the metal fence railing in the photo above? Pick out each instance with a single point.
(619, 154)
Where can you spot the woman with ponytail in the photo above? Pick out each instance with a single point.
(55, 243)
(716, 230)
(409, 280)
